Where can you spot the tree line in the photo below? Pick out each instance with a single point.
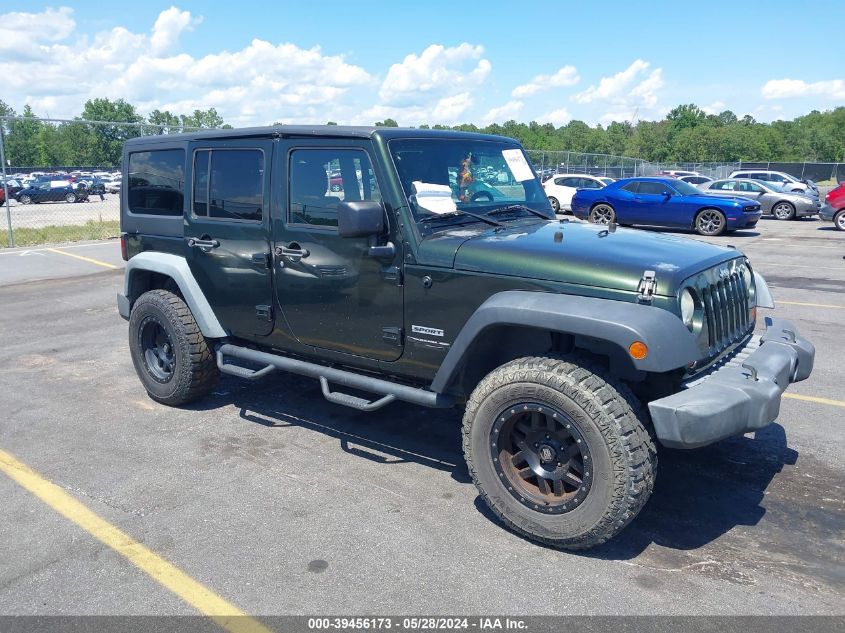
(687, 134)
(31, 142)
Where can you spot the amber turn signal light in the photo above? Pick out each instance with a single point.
(638, 350)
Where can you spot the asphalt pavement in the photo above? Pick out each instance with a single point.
(285, 504)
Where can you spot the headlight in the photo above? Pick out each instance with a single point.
(748, 279)
(687, 308)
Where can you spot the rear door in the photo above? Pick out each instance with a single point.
(227, 232)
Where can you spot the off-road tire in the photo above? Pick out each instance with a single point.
(195, 371)
(612, 422)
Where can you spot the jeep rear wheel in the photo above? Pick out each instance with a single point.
(171, 356)
(559, 451)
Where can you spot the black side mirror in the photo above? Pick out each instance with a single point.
(360, 218)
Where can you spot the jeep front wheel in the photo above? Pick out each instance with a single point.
(171, 356)
(558, 450)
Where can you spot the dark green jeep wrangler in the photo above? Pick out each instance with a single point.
(428, 267)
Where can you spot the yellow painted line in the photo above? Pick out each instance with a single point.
(812, 305)
(195, 594)
(797, 396)
(84, 259)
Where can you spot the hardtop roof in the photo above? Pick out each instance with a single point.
(327, 131)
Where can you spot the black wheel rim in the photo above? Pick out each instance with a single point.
(157, 350)
(541, 457)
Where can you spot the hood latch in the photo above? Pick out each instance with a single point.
(647, 286)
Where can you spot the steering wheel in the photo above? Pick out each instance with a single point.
(481, 194)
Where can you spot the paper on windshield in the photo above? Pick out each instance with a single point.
(434, 198)
(520, 168)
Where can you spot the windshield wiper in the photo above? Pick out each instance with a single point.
(458, 212)
(519, 207)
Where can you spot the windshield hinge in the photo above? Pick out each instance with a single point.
(647, 286)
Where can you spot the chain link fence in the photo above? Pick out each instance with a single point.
(62, 176)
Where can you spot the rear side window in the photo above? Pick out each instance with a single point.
(229, 184)
(156, 180)
(632, 186)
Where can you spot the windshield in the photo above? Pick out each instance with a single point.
(685, 188)
(448, 176)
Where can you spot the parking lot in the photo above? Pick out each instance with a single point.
(282, 503)
(36, 216)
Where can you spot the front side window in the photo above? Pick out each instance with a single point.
(446, 176)
(749, 186)
(321, 178)
(156, 180)
(653, 188)
(229, 184)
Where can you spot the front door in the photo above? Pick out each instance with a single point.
(227, 232)
(333, 292)
(651, 206)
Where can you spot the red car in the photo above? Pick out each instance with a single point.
(835, 208)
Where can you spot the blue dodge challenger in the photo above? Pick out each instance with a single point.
(664, 202)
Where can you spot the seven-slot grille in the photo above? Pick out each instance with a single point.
(726, 310)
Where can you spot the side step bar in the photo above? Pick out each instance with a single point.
(389, 391)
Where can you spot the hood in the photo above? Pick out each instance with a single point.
(586, 254)
(707, 198)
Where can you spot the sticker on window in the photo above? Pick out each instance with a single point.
(520, 168)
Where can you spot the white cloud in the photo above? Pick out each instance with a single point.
(503, 113)
(612, 87)
(714, 108)
(788, 88)
(257, 84)
(558, 117)
(436, 73)
(33, 36)
(566, 76)
(169, 26)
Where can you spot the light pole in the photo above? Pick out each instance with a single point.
(6, 189)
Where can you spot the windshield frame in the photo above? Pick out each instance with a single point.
(678, 185)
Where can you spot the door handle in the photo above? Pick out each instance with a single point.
(293, 252)
(203, 243)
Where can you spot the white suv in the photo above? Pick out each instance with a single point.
(789, 183)
(561, 187)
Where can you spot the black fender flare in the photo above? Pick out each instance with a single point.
(670, 344)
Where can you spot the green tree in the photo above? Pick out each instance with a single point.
(21, 143)
(387, 123)
(108, 146)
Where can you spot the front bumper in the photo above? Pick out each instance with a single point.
(740, 393)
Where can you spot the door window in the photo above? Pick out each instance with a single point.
(155, 182)
(632, 187)
(229, 184)
(653, 188)
(321, 178)
(749, 187)
(725, 185)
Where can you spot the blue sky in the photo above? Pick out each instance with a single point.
(426, 62)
